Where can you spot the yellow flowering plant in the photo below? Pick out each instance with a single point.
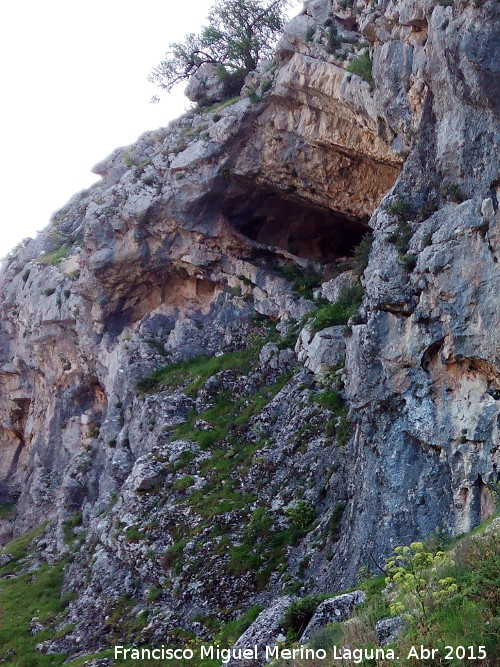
(414, 577)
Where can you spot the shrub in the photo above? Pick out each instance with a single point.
(401, 208)
(335, 519)
(343, 431)
(331, 400)
(246, 281)
(452, 192)
(93, 431)
(408, 262)
(338, 313)
(302, 515)
(426, 210)
(359, 261)
(298, 615)
(304, 279)
(362, 67)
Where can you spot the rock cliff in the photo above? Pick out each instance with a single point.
(189, 395)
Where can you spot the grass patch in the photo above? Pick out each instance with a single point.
(338, 313)
(263, 547)
(23, 597)
(227, 415)
(68, 526)
(6, 509)
(218, 106)
(55, 257)
(18, 548)
(195, 372)
(331, 400)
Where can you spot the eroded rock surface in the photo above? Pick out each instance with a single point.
(266, 467)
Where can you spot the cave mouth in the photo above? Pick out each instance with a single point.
(281, 219)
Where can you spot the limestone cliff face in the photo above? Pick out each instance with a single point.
(195, 242)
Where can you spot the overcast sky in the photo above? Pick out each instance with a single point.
(74, 87)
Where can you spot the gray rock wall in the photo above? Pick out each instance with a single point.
(191, 244)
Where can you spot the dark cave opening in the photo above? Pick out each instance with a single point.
(280, 219)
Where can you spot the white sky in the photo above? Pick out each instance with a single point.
(74, 87)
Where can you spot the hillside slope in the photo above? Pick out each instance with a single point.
(262, 351)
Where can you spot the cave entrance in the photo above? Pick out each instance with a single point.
(280, 219)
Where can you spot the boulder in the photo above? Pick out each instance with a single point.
(4, 559)
(336, 287)
(389, 629)
(333, 610)
(205, 85)
(322, 351)
(35, 626)
(265, 631)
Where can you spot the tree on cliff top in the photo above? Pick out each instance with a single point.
(239, 34)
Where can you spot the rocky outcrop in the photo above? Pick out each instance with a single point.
(388, 630)
(264, 633)
(155, 404)
(334, 610)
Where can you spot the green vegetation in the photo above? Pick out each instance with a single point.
(133, 534)
(452, 192)
(227, 415)
(303, 279)
(231, 455)
(302, 515)
(55, 257)
(264, 544)
(24, 597)
(426, 210)
(298, 615)
(362, 66)
(335, 519)
(6, 509)
(417, 581)
(219, 106)
(69, 526)
(448, 599)
(195, 372)
(338, 313)
(400, 208)
(331, 400)
(184, 483)
(239, 35)
(408, 261)
(359, 261)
